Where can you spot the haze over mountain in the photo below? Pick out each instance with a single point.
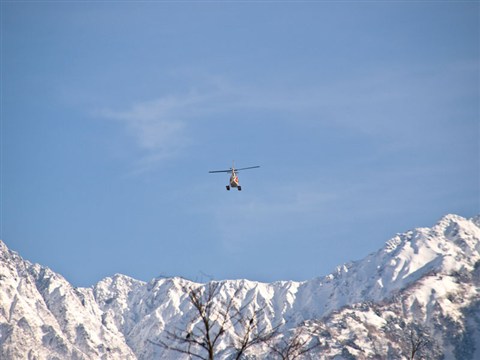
(422, 288)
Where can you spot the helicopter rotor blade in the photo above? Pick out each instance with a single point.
(246, 168)
(219, 171)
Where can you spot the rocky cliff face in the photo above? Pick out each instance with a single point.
(419, 295)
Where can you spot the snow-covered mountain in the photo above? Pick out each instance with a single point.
(419, 297)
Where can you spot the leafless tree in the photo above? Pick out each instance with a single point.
(210, 321)
(418, 340)
(297, 345)
(249, 332)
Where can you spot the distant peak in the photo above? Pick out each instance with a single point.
(120, 279)
(476, 220)
(5, 250)
(451, 218)
(118, 276)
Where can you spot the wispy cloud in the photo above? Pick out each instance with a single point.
(161, 128)
(154, 124)
(387, 103)
(158, 127)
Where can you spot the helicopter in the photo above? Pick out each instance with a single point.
(234, 177)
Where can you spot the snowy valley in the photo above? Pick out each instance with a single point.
(417, 297)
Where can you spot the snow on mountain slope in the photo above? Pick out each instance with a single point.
(43, 317)
(449, 246)
(426, 279)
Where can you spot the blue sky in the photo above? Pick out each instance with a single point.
(364, 118)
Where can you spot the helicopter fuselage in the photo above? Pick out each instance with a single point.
(234, 183)
(234, 180)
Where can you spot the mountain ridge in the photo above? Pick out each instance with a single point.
(425, 277)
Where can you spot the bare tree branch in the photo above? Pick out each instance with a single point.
(295, 346)
(210, 324)
(418, 339)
